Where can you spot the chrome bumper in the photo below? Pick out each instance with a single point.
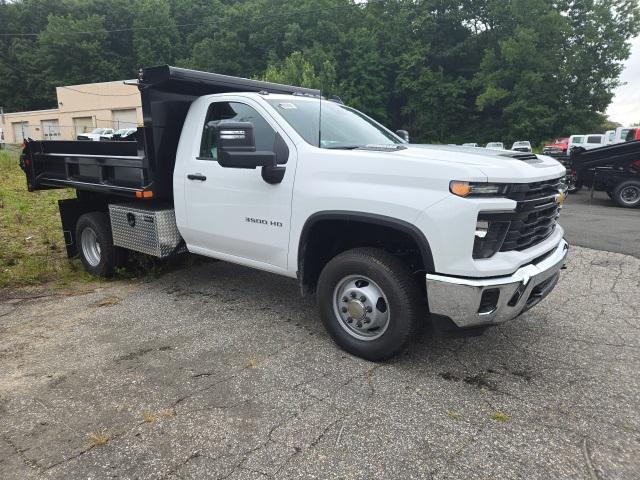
(485, 301)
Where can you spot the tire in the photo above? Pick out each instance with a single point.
(95, 245)
(382, 324)
(627, 194)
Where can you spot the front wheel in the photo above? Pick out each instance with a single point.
(369, 303)
(627, 194)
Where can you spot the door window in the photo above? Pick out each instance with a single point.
(220, 112)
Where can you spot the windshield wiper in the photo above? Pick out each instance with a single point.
(383, 147)
(343, 147)
(377, 147)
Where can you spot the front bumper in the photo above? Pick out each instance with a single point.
(486, 301)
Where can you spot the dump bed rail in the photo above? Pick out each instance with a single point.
(113, 168)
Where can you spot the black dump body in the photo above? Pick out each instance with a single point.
(605, 167)
(128, 168)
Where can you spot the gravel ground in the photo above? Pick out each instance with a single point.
(219, 371)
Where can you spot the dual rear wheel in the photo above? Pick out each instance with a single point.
(95, 245)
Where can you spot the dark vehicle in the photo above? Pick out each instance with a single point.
(614, 169)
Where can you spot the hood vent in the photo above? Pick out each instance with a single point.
(525, 157)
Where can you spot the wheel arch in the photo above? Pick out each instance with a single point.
(309, 268)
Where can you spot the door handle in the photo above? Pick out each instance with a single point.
(196, 176)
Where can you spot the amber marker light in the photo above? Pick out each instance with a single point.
(461, 189)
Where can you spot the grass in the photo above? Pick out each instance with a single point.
(149, 417)
(32, 249)
(454, 415)
(500, 417)
(99, 438)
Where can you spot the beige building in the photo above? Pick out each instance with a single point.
(81, 108)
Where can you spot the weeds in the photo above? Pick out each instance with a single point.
(500, 417)
(454, 415)
(99, 438)
(32, 247)
(149, 417)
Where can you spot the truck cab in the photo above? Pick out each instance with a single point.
(386, 234)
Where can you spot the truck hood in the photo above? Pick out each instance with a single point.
(497, 165)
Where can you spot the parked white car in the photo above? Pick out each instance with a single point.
(589, 141)
(609, 137)
(95, 134)
(495, 146)
(521, 146)
(118, 134)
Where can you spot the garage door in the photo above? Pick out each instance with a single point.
(20, 131)
(50, 130)
(125, 118)
(82, 125)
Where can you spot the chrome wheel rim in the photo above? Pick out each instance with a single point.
(90, 246)
(630, 194)
(361, 307)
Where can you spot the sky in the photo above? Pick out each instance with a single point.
(625, 107)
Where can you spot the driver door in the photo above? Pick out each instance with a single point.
(233, 212)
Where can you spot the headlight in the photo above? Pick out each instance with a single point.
(477, 189)
(489, 237)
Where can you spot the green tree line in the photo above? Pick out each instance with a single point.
(447, 71)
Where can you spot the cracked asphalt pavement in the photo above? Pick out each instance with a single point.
(219, 371)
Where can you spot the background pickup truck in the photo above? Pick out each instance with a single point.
(386, 234)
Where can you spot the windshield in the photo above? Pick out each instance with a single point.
(521, 144)
(342, 126)
(578, 140)
(98, 130)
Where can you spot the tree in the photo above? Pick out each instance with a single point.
(446, 70)
(155, 39)
(297, 70)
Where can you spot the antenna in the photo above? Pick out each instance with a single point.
(320, 122)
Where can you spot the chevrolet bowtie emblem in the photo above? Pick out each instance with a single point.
(559, 198)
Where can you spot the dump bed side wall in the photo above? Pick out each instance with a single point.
(112, 168)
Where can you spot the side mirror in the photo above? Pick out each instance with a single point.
(403, 134)
(237, 149)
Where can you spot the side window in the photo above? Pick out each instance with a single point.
(234, 112)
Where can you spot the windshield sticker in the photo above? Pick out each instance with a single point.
(287, 106)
